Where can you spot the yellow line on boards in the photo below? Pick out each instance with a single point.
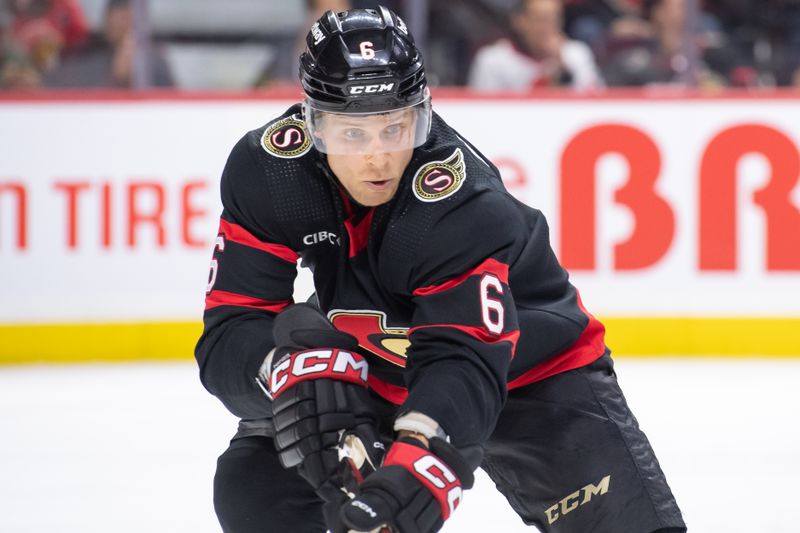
(627, 336)
(725, 337)
(78, 343)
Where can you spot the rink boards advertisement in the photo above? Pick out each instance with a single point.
(678, 217)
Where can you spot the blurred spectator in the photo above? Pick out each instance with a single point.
(534, 43)
(594, 22)
(766, 34)
(675, 50)
(43, 28)
(64, 16)
(541, 55)
(283, 71)
(316, 8)
(107, 60)
(796, 78)
(450, 48)
(17, 72)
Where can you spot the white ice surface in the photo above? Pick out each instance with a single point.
(131, 448)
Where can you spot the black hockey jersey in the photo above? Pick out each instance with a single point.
(451, 288)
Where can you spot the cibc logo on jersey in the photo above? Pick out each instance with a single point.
(287, 138)
(439, 179)
(320, 237)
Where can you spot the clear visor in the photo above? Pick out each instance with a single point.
(369, 133)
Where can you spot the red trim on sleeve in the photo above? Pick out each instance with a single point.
(491, 266)
(478, 333)
(392, 393)
(236, 233)
(218, 298)
(589, 347)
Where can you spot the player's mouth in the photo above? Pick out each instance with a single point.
(378, 185)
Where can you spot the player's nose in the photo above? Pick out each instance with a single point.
(378, 146)
(379, 157)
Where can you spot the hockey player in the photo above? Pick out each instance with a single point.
(443, 330)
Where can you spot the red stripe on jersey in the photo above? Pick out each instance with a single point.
(217, 298)
(236, 233)
(478, 333)
(359, 233)
(392, 393)
(589, 347)
(491, 266)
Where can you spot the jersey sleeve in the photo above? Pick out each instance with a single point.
(251, 280)
(464, 328)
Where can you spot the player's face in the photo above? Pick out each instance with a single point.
(368, 154)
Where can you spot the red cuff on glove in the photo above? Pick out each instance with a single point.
(320, 363)
(431, 471)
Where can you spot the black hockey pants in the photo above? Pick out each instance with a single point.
(567, 454)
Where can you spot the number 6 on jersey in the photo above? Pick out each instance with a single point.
(493, 324)
(219, 244)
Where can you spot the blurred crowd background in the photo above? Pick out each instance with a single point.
(487, 45)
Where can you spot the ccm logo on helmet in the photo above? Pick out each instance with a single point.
(316, 32)
(377, 88)
(315, 364)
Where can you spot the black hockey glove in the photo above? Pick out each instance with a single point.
(414, 491)
(318, 386)
(360, 453)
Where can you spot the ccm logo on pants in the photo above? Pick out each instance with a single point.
(574, 500)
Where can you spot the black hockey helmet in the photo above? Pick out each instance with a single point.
(363, 62)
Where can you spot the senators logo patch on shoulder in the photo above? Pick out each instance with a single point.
(440, 179)
(287, 138)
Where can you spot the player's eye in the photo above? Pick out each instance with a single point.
(354, 134)
(392, 131)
